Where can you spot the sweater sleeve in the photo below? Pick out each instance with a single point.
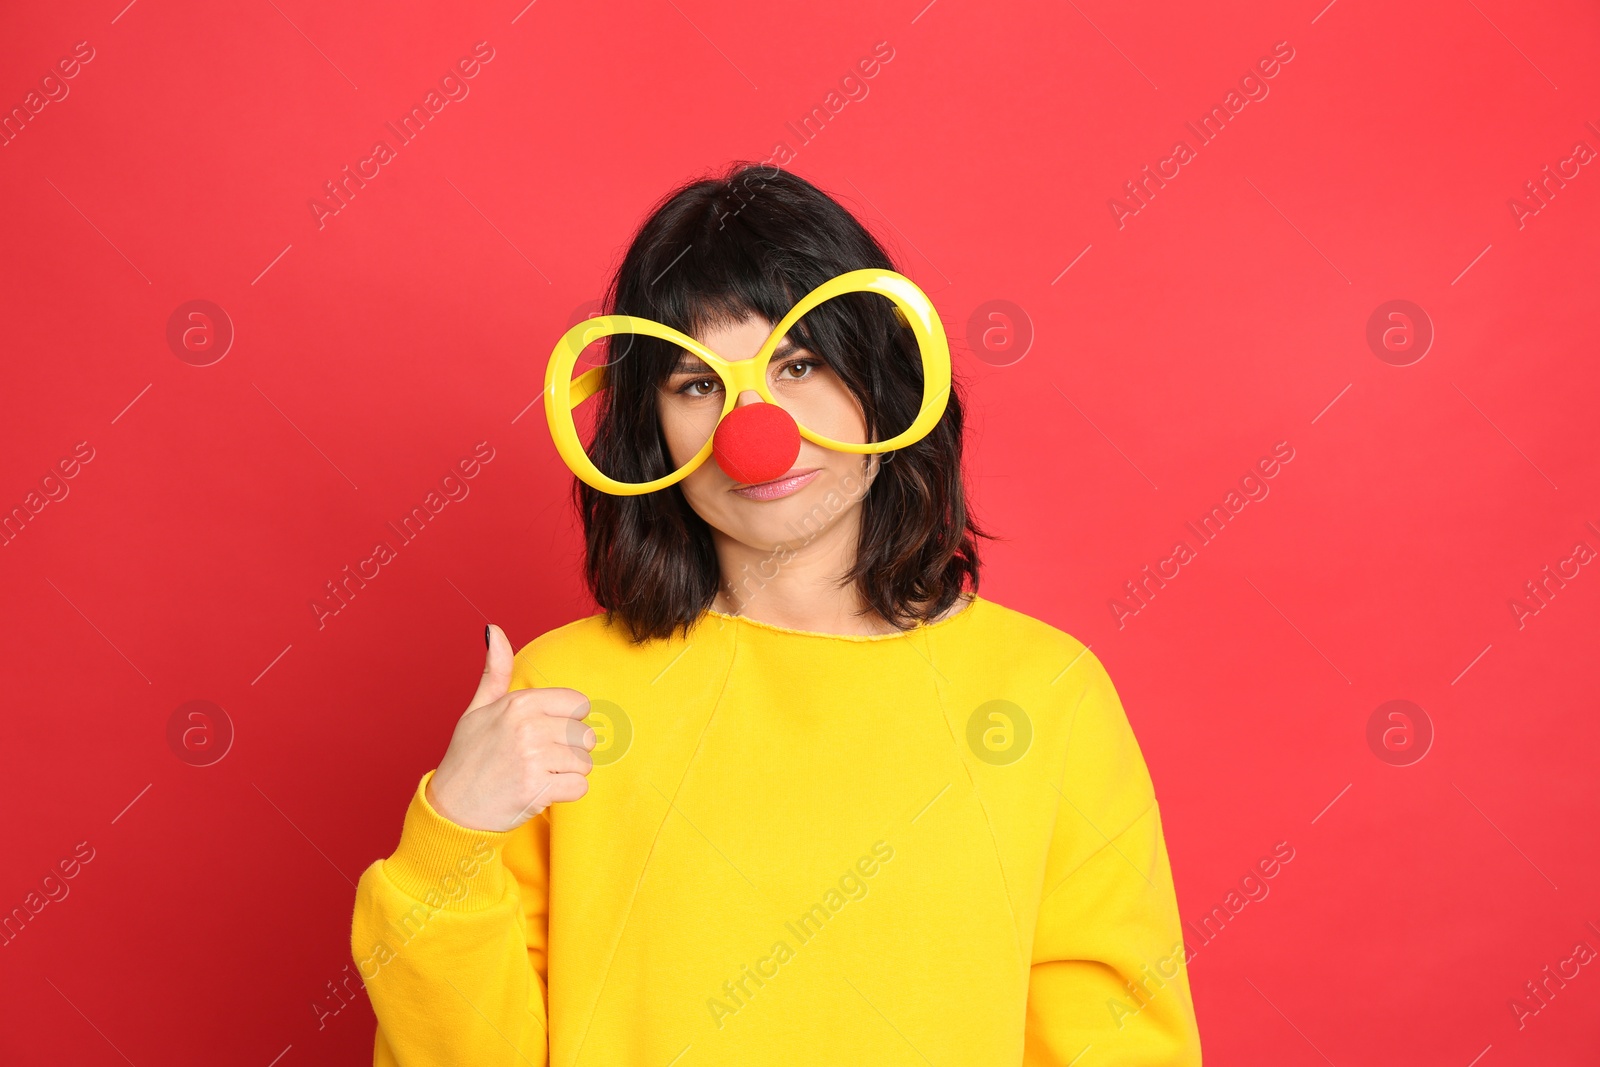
(450, 937)
(1108, 980)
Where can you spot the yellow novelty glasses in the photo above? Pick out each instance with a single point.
(563, 393)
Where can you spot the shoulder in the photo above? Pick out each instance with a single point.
(1065, 691)
(561, 649)
(576, 653)
(1031, 648)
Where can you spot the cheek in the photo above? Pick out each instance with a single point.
(838, 415)
(705, 491)
(680, 443)
(677, 446)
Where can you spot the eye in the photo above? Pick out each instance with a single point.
(691, 388)
(806, 365)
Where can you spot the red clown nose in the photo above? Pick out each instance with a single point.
(756, 443)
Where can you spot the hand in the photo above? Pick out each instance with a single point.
(512, 754)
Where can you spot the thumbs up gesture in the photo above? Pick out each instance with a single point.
(512, 754)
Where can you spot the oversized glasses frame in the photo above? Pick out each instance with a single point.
(563, 393)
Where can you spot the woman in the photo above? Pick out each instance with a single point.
(798, 795)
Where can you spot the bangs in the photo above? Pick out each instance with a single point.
(718, 260)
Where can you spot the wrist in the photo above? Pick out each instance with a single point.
(444, 864)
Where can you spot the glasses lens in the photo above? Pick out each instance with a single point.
(688, 404)
(604, 352)
(818, 397)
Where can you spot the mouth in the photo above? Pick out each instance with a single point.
(791, 482)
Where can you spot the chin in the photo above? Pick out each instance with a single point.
(767, 524)
(788, 521)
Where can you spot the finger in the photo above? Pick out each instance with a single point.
(564, 759)
(558, 786)
(497, 661)
(561, 701)
(574, 733)
(567, 787)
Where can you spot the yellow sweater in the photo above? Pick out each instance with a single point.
(938, 847)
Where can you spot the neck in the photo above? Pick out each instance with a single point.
(796, 585)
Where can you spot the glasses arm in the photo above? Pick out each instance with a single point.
(588, 384)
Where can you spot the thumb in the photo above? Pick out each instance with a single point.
(496, 669)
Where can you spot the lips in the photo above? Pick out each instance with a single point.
(779, 488)
(795, 473)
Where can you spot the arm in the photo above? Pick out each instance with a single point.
(1108, 983)
(449, 935)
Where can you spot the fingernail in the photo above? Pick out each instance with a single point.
(486, 637)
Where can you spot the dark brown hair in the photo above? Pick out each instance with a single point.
(715, 250)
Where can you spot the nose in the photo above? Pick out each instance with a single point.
(756, 442)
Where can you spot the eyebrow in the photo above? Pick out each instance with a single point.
(692, 364)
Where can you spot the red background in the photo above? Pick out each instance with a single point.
(1227, 315)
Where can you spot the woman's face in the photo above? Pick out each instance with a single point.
(830, 484)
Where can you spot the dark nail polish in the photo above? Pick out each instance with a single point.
(486, 637)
